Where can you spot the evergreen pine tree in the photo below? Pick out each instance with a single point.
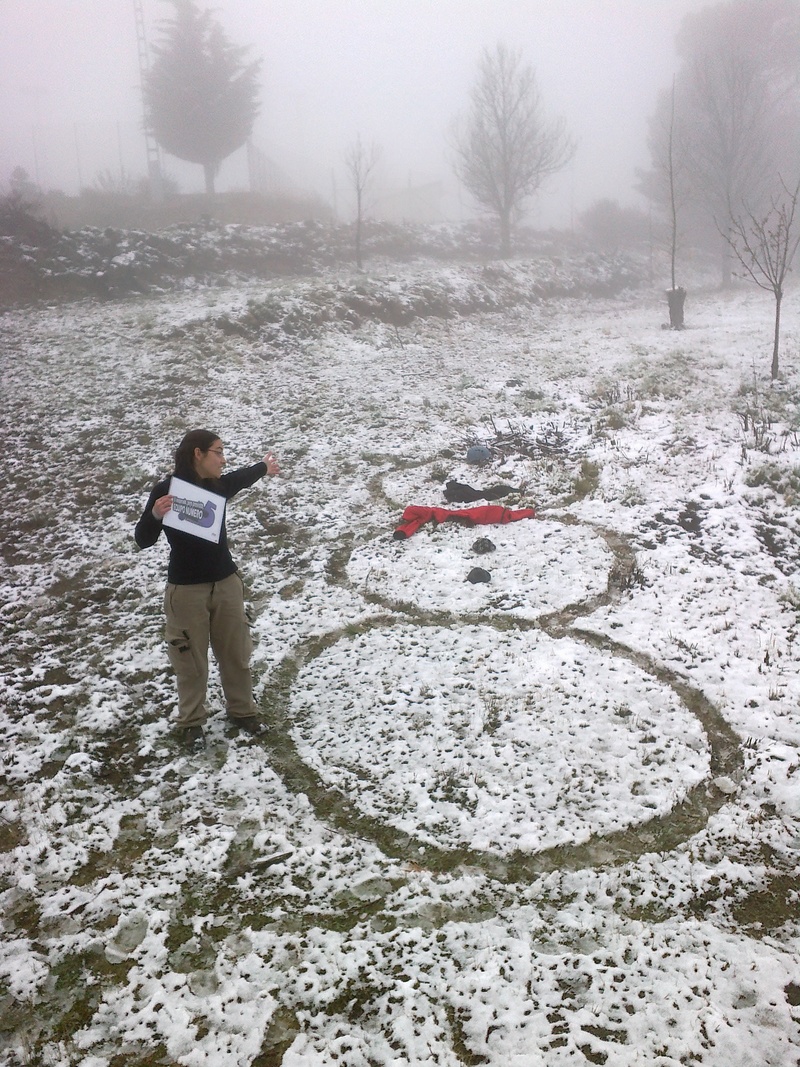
(200, 93)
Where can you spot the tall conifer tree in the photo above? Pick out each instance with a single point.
(201, 94)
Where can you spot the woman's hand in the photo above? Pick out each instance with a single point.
(161, 507)
(272, 464)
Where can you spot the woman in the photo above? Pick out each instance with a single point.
(204, 599)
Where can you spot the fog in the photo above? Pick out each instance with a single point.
(394, 72)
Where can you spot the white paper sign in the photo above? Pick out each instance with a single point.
(195, 510)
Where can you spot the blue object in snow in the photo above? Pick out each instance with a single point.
(479, 455)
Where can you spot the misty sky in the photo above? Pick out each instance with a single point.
(395, 71)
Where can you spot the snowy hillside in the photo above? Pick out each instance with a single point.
(552, 818)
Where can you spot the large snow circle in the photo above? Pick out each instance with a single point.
(537, 566)
(494, 740)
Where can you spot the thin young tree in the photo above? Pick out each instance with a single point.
(735, 106)
(505, 149)
(765, 246)
(201, 95)
(676, 296)
(360, 163)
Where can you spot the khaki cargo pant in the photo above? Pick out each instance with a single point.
(197, 615)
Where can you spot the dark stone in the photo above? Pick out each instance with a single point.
(478, 574)
(483, 545)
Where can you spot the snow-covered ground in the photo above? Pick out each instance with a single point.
(553, 818)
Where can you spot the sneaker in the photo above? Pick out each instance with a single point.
(194, 738)
(251, 725)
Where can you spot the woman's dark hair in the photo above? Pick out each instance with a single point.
(184, 453)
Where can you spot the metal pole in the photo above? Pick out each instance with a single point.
(151, 146)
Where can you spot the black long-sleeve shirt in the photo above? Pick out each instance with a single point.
(192, 559)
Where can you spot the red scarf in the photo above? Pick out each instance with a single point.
(415, 515)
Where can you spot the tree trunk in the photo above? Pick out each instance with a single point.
(672, 204)
(676, 299)
(776, 341)
(727, 264)
(505, 234)
(210, 172)
(359, 223)
(359, 258)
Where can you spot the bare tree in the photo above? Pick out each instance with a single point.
(765, 246)
(676, 296)
(667, 186)
(735, 107)
(504, 150)
(360, 162)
